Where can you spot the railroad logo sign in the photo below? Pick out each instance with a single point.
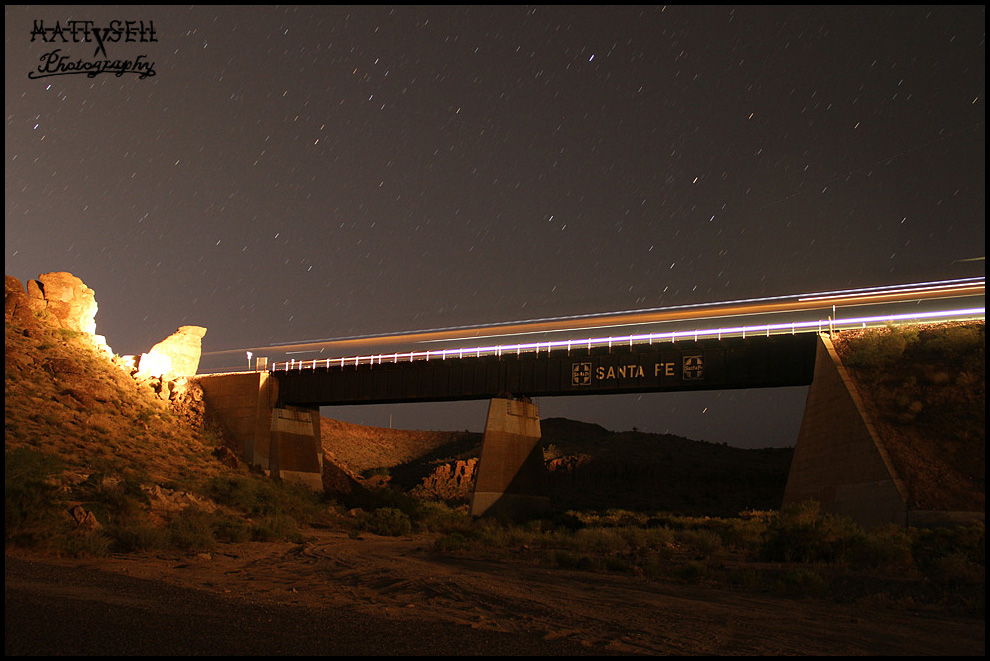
(581, 374)
(692, 368)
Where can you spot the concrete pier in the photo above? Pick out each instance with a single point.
(511, 473)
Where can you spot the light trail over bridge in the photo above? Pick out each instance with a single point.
(815, 312)
(738, 344)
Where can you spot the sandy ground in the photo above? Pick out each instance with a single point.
(404, 578)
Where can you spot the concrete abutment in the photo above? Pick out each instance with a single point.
(839, 459)
(283, 441)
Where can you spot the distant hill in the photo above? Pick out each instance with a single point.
(589, 466)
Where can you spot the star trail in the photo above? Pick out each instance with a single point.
(312, 172)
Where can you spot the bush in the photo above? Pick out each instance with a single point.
(802, 583)
(433, 516)
(32, 503)
(802, 534)
(191, 530)
(389, 522)
(451, 542)
(80, 545)
(275, 527)
(137, 537)
(883, 548)
(876, 348)
(114, 497)
(932, 545)
(703, 542)
(265, 497)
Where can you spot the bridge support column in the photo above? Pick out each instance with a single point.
(296, 450)
(511, 473)
(285, 442)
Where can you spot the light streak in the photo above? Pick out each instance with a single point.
(772, 305)
(819, 325)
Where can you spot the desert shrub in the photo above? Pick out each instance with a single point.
(880, 347)
(598, 540)
(275, 527)
(114, 497)
(803, 534)
(260, 496)
(888, 547)
(568, 560)
(80, 545)
(32, 502)
(564, 559)
(932, 545)
(746, 578)
(643, 540)
(69, 334)
(705, 543)
(957, 569)
(622, 518)
(618, 563)
(433, 516)
(692, 572)
(136, 536)
(228, 528)
(744, 533)
(191, 530)
(802, 582)
(373, 499)
(954, 340)
(493, 534)
(389, 521)
(569, 520)
(451, 542)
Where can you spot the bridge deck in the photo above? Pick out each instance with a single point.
(708, 364)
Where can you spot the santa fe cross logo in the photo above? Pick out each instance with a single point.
(581, 374)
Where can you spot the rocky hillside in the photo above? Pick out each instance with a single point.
(65, 397)
(925, 388)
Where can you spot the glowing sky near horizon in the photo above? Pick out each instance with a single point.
(308, 172)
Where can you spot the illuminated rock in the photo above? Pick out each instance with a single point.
(183, 349)
(153, 363)
(69, 302)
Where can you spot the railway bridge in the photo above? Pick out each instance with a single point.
(274, 411)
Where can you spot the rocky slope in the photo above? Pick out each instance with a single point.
(925, 388)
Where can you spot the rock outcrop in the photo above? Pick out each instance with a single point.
(64, 296)
(453, 480)
(61, 297)
(176, 355)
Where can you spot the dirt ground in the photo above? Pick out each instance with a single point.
(404, 578)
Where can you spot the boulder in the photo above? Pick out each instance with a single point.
(183, 348)
(64, 296)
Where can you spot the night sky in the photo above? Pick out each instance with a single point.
(292, 174)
